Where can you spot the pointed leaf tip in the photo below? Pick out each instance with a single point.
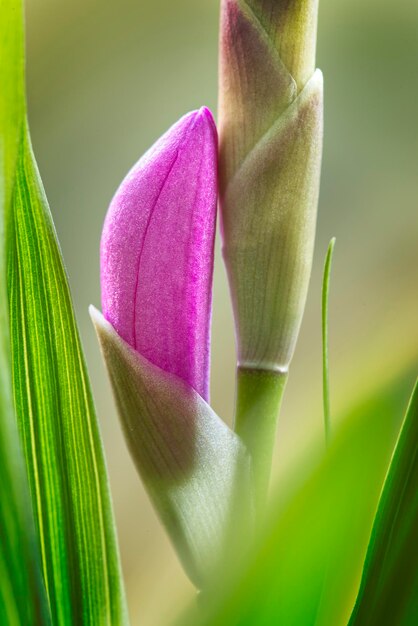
(390, 576)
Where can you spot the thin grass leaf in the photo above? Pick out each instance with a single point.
(60, 437)
(325, 350)
(22, 594)
(389, 588)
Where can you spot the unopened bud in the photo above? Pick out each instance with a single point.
(271, 127)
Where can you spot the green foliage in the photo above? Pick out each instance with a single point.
(305, 568)
(56, 416)
(389, 589)
(75, 536)
(22, 597)
(59, 561)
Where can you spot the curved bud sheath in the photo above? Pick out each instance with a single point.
(255, 86)
(187, 457)
(157, 251)
(270, 157)
(291, 26)
(268, 225)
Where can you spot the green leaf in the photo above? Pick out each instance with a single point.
(325, 364)
(22, 595)
(189, 460)
(306, 566)
(389, 588)
(61, 441)
(75, 531)
(12, 99)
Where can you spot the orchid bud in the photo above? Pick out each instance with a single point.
(157, 251)
(156, 277)
(270, 156)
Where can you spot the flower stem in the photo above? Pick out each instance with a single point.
(258, 400)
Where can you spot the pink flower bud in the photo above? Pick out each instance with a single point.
(157, 251)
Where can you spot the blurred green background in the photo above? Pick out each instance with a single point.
(105, 79)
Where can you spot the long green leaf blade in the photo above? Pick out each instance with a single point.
(389, 588)
(22, 595)
(55, 413)
(61, 440)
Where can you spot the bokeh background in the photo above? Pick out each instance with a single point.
(105, 79)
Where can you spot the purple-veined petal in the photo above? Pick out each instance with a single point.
(157, 251)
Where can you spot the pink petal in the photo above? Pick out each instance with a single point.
(157, 251)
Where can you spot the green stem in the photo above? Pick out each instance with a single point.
(258, 400)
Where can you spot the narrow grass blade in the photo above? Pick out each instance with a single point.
(389, 588)
(22, 594)
(325, 351)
